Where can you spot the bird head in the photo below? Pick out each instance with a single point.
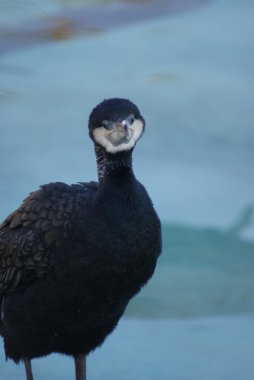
(116, 125)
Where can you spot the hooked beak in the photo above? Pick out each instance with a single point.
(120, 133)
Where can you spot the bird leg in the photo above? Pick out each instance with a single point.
(80, 366)
(28, 368)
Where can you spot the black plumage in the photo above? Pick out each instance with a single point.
(72, 256)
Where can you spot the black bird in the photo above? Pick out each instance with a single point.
(72, 256)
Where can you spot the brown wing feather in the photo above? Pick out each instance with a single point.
(29, 234)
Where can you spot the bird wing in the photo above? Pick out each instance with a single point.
(30, 233)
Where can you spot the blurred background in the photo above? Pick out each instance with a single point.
(189, 66)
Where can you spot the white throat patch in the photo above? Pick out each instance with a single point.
(104, 137)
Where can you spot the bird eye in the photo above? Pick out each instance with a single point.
(106, 124)
(131, 118)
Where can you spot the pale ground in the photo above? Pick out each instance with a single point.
(199, 349)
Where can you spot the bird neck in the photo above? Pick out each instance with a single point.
(113, 165)
(100, 162)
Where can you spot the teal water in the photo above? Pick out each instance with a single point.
(191, 73)
(202, 272)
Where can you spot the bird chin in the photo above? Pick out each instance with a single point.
(119, 137)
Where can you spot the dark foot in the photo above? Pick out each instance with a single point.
(28, 368)
(80, 366)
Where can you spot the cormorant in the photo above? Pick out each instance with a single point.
(72, 256)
